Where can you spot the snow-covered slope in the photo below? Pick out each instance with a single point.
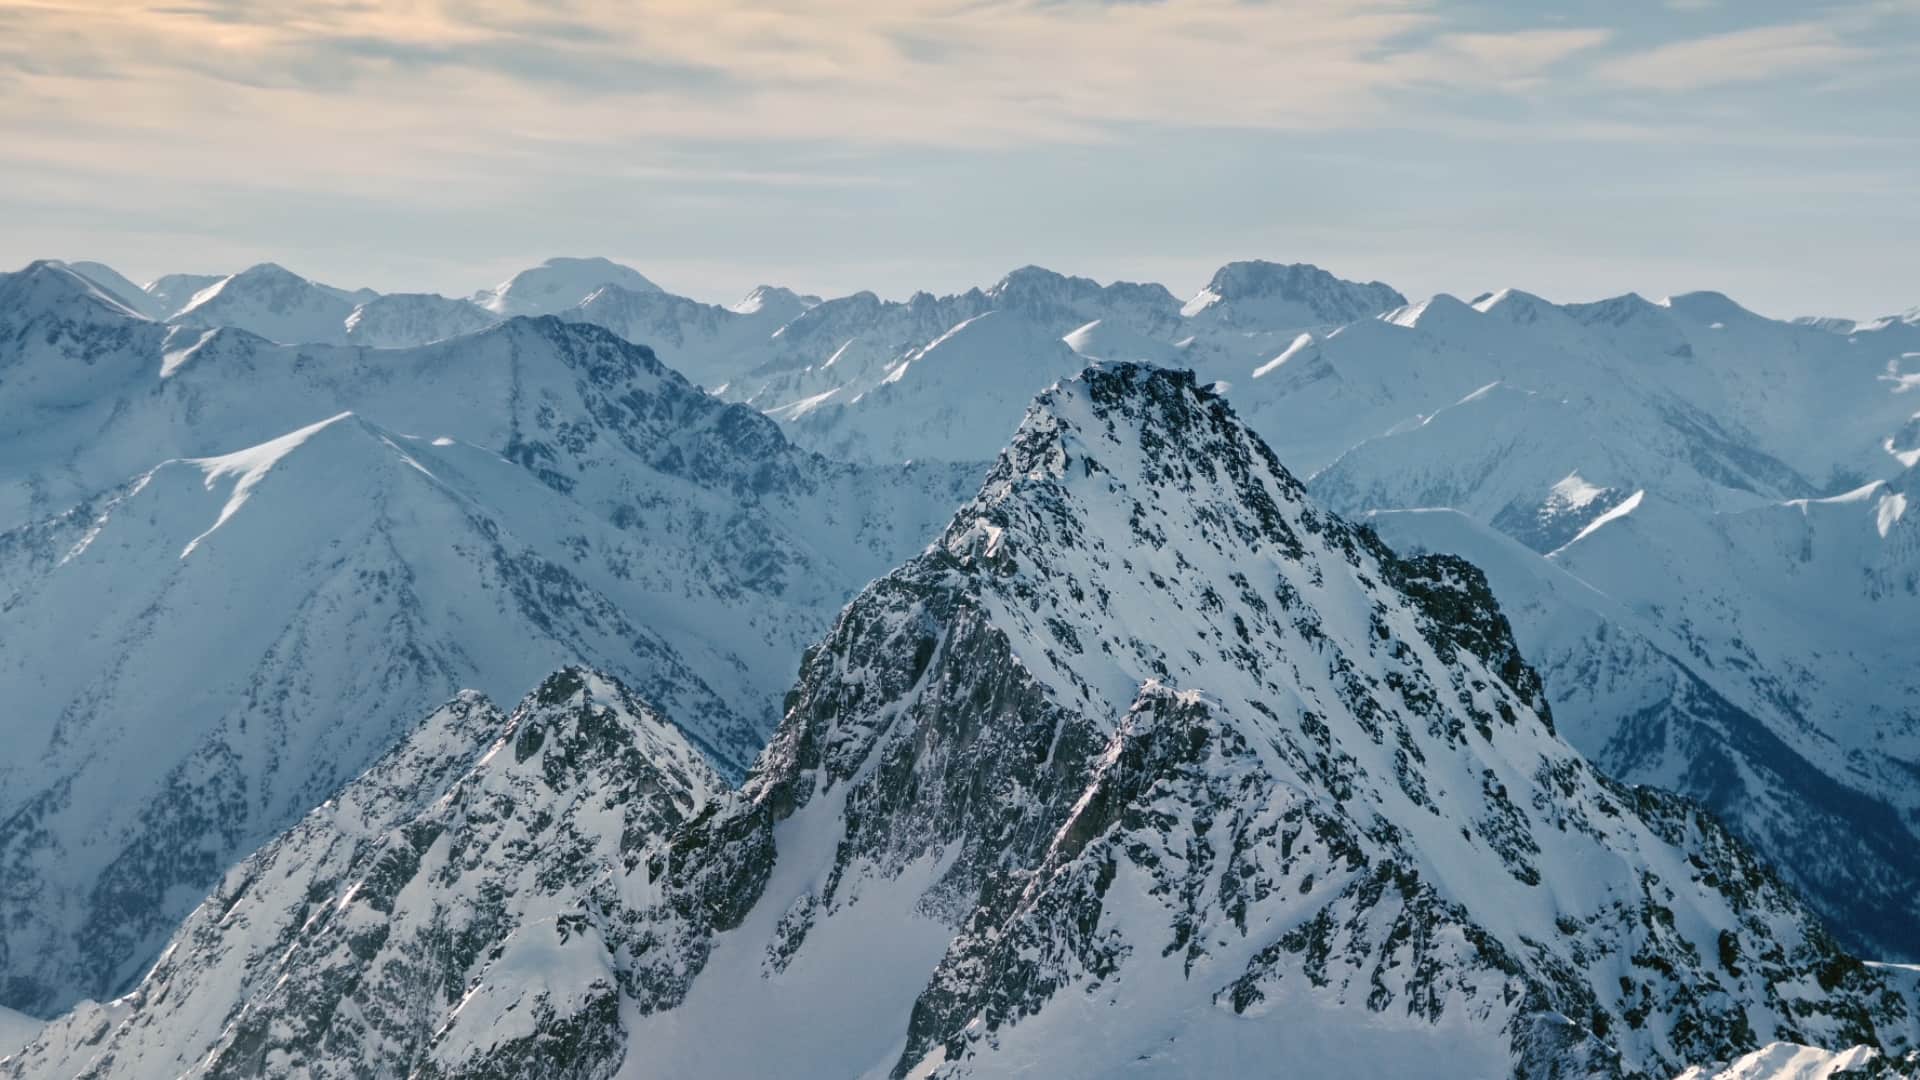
(116, 285)
(279, 305)
(1642, 694)
(837, 358)
(707, 343)
(773, 302)
(171, 292)
(558, 284)
(1723, 479)
(1148, 766)
(64, 343)
(1541, 468)
(274, 303)
(1786, 1061)
(956, 399)
(1755, 405)
(399, 320)
(17, 1029)
(1102, 340)
(243, 589)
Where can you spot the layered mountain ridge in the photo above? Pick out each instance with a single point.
(332, 539)
(1673, 500)
(1147, 764)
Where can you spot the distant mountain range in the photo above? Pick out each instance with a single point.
(253, 527)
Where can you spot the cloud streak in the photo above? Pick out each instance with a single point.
(1757, 54)
(939, 72)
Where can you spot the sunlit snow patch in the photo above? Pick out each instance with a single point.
(1787, 1061)
(1299, 345)
(1627, 506)
(1892, 507)
(171, 360)
(251, 466)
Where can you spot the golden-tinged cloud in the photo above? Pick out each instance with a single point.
(370, 92)
(392, 97)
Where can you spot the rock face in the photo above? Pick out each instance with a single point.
(457, 877)
(1732, 490)
(1148, 765)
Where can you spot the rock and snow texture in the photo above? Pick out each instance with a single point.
(941, 400)
(1602, 423)
(231, 568)
(399, 320)
(275, 303)
(707, 343)
(1148, 766)
(842, 374)
(1785, 1061)
(279, 305)
(1718, 502)
(116, 285)
(455, 886)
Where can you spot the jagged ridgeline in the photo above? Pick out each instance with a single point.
(1146, 767)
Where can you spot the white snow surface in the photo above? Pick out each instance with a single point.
(17, 1029)
(1786, 1061)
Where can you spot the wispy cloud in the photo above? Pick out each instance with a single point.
(1752, 55)
(923, 71)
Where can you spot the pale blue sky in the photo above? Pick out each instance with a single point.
(1768, 150)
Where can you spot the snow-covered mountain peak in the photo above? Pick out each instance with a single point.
(774, 302)
(429, 909)
(171, 292)
(1519, 307)
(1439, 313)
(1707, 308)
(1618, 310)
(275, 303)
(1288, 295)
(1036, 288)
(65, 342)
(268, 282)
(558, 284)
(120, 288)
(1109, 672)
(51, 288)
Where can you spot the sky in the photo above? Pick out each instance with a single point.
(1769, 150)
